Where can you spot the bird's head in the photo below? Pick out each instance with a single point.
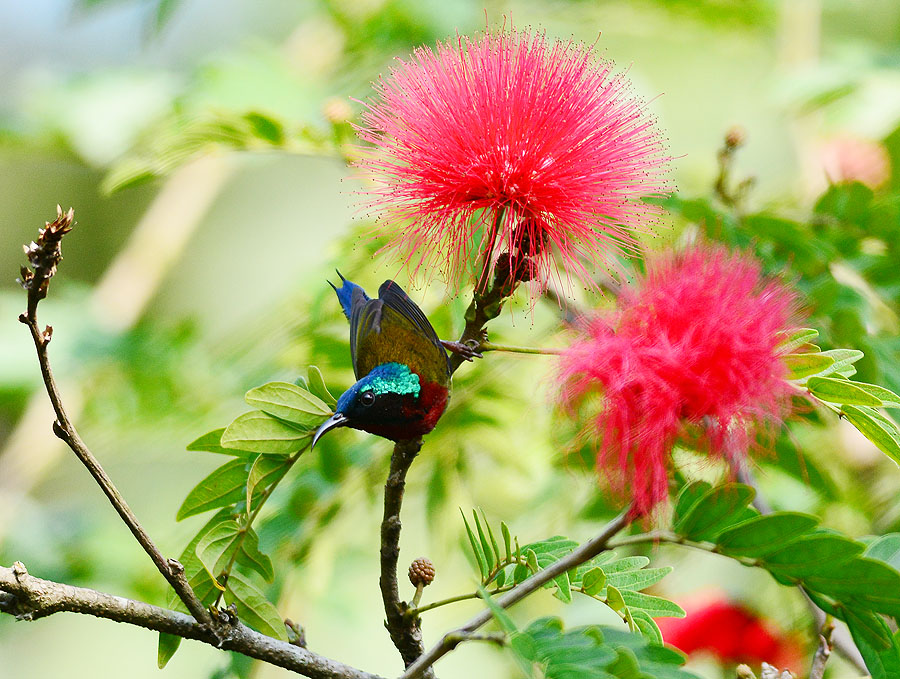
(379, 403)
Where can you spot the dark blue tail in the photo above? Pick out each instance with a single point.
(345, 293)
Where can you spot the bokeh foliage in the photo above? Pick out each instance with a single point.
(264, 98)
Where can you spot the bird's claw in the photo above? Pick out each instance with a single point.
(467, 350)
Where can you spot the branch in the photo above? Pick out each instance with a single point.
(587, 551)
(823, 652)
(44, 255)
(405, 631)
(30, 598)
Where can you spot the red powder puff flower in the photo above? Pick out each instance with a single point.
(695, 344)
(732, 634)
(507, 146)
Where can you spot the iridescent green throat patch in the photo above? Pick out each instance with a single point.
(393, 378)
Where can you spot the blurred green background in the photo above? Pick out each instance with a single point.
(202, 145)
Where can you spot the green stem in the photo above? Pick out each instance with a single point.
(251, 517)
(490, 346)
(413, 612)
(666, 537)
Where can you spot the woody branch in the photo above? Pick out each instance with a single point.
(30, 598)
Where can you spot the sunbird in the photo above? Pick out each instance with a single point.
(401, 367)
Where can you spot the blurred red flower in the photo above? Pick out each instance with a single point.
(507, 146)
(695, 344)
(733, 634)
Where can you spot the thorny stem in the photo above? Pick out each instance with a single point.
(36, 283)
(590, 549)
(406, 633)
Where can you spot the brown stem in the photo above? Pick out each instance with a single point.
(823, 652)
(44, 255)
(406, 632)
(587, 551)
(30, 598)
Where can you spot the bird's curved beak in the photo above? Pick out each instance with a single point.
(333, 422)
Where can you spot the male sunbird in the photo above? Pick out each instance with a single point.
(401, 367)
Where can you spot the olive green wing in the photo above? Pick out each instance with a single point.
(393, 329)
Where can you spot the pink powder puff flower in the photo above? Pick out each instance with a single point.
(694, 350)
(507, 146)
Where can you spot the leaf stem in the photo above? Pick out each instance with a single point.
(546, 351)
(413, 612)
(250, 518)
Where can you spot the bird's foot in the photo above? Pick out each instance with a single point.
(468, 350)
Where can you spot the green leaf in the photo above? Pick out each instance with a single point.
(878, 429)
(217, 548)
(212, 443)
(870, 583)
(614, 599)
(489, 556)
(497, 555)
(253, 609)
(805, 365)
(797, 338)
(655, 606)
(809, 554)
(504, 530)
(647, 626)
(887, 397)
(593, 581)
(476, 549)
(886, 549)
(717, 509)
(763, 534)
(317, 386)
(260, 433)
(687, 498)
(500, 615)
(165, 648)
(638, 579)
(251, 557)
(266, 470)
(881, 655)
(626, 665)
(223, 487)
(843, 359)
(289, 402)
(841, 391)
(266, 128)
(629, 563)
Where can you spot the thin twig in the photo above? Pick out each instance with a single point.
(30, 598)
(412, 612)
(823, 652)
(406, 632)
(587, 551)
(44, 255)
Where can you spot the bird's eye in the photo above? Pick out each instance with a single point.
(367, 398)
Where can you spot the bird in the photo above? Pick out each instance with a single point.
(402, 369)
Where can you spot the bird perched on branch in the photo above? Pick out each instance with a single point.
(401, 367)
